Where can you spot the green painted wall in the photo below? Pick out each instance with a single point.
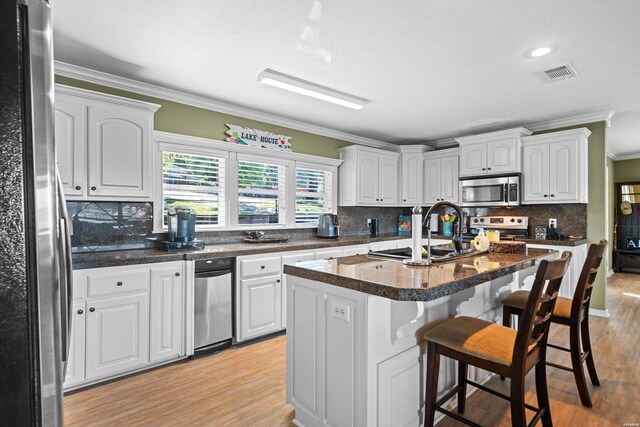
(187, 120)
(627, 170)
(596, 225)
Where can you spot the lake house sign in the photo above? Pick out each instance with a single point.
(258, 138)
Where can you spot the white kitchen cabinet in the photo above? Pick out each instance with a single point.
(117, 335)
(555, 167)
(291, 259)
(356, 250)
(492, 153)
(570, 279)
(368, 177)
(103, 145)
(329, 253)
(125, 319)
(75, 361)
(70, 142)
(261, 301)
(411, 170)
(166, 315)
(441, 176)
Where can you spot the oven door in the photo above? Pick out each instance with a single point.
(486, 192)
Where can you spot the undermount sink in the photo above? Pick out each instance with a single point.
(439, 253)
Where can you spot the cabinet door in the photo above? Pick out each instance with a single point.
(70, 141)
(450, 179)
(261, 306)
(291, 260)
(473, 159)
(412, 179)
(563, 171)
(367, 180)
(119, 152)
(388, 181)
(166, 313)
(432, 181)
(75, 360)
(117, 335)
(502, 156)
(535, 173)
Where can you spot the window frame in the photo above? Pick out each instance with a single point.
(232, 153)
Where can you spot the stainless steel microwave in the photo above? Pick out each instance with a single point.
(495, 191)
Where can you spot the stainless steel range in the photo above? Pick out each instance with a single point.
(510, 227)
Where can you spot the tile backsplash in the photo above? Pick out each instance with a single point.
(102, 226)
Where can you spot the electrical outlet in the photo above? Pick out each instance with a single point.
(553, 223)
(340, 311)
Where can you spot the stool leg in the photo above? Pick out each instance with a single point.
(433, 367)
(518, 416)
(506, 321)
(576, 364)
(462, 383)
(542, 393)
(586, 346)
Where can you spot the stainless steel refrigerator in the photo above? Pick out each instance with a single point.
(35, 262)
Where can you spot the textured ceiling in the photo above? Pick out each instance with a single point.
(432, 69)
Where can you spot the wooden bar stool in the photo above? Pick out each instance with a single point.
(498, 349)
(573, 313)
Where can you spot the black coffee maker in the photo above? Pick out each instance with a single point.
(181, 222)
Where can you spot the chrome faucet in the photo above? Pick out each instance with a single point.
(457, 239)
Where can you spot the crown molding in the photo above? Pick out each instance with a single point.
(627, 156)
(105, 79)
(602, 116)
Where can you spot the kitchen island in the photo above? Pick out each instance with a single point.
(355, 328)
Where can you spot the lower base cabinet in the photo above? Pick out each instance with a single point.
(125, 319)
(261, 301)
(117, 335)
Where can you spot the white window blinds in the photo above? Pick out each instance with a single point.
(197, 182)
(314, 196)
(261, 189)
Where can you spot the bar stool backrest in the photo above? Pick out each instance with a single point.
(582, 296)
(536, 317)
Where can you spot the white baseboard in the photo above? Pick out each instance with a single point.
(599, 313)
(610, 273)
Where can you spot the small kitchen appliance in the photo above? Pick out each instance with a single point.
(496, 191)
(328, 227)
(181, 222)
(510, 227)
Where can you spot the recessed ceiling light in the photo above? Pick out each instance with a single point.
(539, 51)
(303, 87)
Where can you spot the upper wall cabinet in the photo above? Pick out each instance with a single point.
(492, 153)
(103, 145)
(411, 175)
(368, 177)
(441, 176)
(555, 168)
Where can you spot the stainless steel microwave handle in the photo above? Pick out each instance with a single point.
(505, 197)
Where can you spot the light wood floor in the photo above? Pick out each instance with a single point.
(246, 386)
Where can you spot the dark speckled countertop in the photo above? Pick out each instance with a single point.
(392, 279)
(224, 250)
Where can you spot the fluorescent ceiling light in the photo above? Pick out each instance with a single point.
(303, 87)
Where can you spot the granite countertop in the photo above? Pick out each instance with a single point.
(219, 250)
(551, 242)
(391, 279)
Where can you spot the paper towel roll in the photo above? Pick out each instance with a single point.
(416, 237)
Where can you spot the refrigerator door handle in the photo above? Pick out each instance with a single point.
(65, 272)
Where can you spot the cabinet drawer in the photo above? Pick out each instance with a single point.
(293, 259)
(106, 284)
(356, 250)
(261, 266)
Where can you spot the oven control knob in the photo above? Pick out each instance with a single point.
(512, 220)
(475, 220)
(481, 219)
(519, 221)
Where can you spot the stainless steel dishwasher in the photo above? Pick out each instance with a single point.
(213, 305)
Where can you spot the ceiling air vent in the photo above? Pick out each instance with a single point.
(561, 73)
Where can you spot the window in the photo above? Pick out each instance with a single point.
(261, 189)
(313, 194)
(195, 181)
